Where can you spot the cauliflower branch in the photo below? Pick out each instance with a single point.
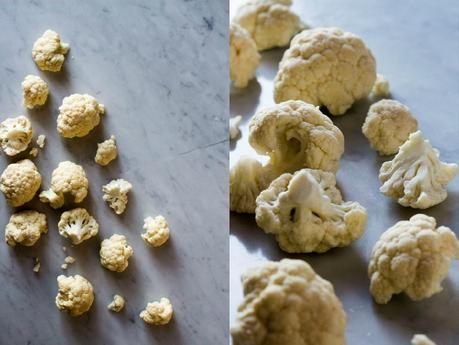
(77, 225)
(234, 130)
(15, 135)
(157, 313)
(75, 294)
(34, 91)
(117, 304)
(381, 86)
(25, 228)
(106, 151)
(116, 194)
(115, 253)
(156, 231)
(49, 52)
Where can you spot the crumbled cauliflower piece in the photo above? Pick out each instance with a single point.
(78, 115)
(48, 51)
(286, 302)
(106, 151)
(115, 253)
(34, 91)
(75, 294)
(25, 228)
(271, 23)
(234, 130)
(157, 313)
(67, 261)
(416, 177)
(19, 182)
(41, 141)
(77, 225)
(421, 339)
(67, 179)
(156, 231)
(388, 125)
(33, 152)
(326, 67)
(116, 194)
(306, 213)
(15, 135)
(64, 266)
(36, 266)
(117, 304)
(381, 86)
(244, 57)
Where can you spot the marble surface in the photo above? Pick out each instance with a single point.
(416, 44)
(157, 66)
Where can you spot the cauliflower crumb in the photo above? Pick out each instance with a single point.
(157, 313)
(156, 231)
(33, 152)
(421, 339)
(117, 304)
(64, 266)
(75, 294)
(36, 266)
(15, 135)
(25, 228)
(67, 261)
(34, 91)
(49, 52)
(115, 253)
(106, 151)
(381, 86)
(234, 130)
(77, 225)
(41, 141)
(116, 194)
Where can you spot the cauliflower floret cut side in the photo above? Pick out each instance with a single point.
(49, 51)
(116, 194)
(106, 151)
(25, 228)
(381, 87)
(117, 304)
(15, 135)
(421, 339)
(157, 313)
(234, 130)
(75, 294)
(156, 231)
(115, 253)
(34, 91)
(77, 225)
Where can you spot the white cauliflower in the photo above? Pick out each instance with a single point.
(156, 231)
(49, 52)
(326, 67)
(41, 141)
(306, 213)
(68, 261)
(271, 23)
(68, 179)
(75, 294)
(117, 304)
(234, 123)
(416, 177)
(286, 302)
(244, 57)
(413, 257)
(15, 135)
(388, 125)
(25, 228)
(34, 91)
(33, 152)
(78, 115)
(106, 151)
(381, 86)
(19, 182)
(116, 194)
(77, 225)
(421, 339)
(157, 313)
(115, 253)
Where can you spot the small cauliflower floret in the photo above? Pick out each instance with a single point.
(244, 57)
(117, 304)
(271, 23)
(25, 228)
(326, 67)
(286, 302)
(78, 115)
(157, 313)
(77, 225)
(19, 182)
(106, 151)
(416, 177)
(234, 130)
(15, 135)
(41, 141)
(75, 294)
(115, 253)
(306, 213)
(413, 257)
(421, 339)
(156, 231)
(116, 194)
(381, 86)
(388, 125)
(34, 91)
(33, 152)
(67, 179)
(48, 51)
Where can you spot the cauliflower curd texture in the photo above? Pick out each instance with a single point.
(157, 313)
(48, 51)
(15, 135)
(106, 151)
(25, 228)
(77, 225)
(156, 231)
(34, 91)
(75, 294)
(116, 194)
(115, 253)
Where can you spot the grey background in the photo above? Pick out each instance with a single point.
(157, 66)
(416, 45)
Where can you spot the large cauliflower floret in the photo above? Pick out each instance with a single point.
(34, 91)
(25, 228)
(421, 339)
(106, 151)
(412, 257)
(388, 125)
(115, 253)
(271, 23)
(157, 313)
(19, 182)
(77, 225)
(244, 57)
(15, 135)
(306, 213)
(67, 179)
(78, 115)
(49, 52)
(156, 231)
(326, 67)
(416, 177)
(116, 194)
(75, 294)
(286, 302)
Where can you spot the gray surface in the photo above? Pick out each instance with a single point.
(416, 45)
(157, 66)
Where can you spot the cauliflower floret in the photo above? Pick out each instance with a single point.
(388, 125)
(156, 231)
(416, 177)
(75, 294)
(33, 152)
(19, 182)
(381, 86)
(15, 135)
(326, 67)
(234, 126)
(412, 257)
(41, 141)
(244, 57)
(115, 253)
(157, 313)
(286, 302)
(271, 23)
(116, 194)
(106, 151)
(78, 115)
(25, 228)
(306, 213)
(34, 91)
(421, 339)
(77, 225)
(67, 179)
(48, 51)
(117, 304)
